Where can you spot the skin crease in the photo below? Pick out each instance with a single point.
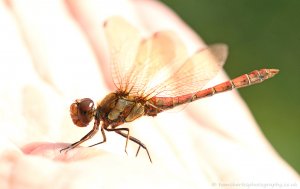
(49, 61)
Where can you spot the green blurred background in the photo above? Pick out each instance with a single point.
(260, 34)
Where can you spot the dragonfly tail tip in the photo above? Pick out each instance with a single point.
(274, 71)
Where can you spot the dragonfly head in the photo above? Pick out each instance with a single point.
(82, 112)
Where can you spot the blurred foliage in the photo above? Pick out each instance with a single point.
(260, 34)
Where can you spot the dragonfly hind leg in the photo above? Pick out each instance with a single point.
(135, 140)
(119, 130)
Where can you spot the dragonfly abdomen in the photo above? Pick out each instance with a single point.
(254, 77)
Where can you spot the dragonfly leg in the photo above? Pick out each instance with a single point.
(103, 136)
(88, 136)
(119, 130)
(135, 140)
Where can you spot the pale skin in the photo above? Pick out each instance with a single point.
(49, 61)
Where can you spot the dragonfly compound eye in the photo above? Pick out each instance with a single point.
(82, 111)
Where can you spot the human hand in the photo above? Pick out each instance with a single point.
(54, 53)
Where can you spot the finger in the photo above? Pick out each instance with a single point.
(163, 18)
(92, 173)
(53, 151)
(239, 161)
(17, 75)
(60, 53)
(91, 16)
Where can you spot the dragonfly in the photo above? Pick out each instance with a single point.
(151, 75)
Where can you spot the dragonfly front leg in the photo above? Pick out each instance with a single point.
(88, 136)
(104, 138)
(135, 140)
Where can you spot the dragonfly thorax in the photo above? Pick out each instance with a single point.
(117, 109)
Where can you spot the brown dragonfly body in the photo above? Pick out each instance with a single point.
(137, 96)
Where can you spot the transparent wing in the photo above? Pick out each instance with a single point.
(138, 64)
(158, 58)
(195, 72)
(158, 65)
(123, 41)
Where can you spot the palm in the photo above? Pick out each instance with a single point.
(59, 62)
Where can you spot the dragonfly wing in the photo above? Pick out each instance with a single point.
(157, 59)
(123, 40)
(195, 72)
(158, 65)
(139, 64)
